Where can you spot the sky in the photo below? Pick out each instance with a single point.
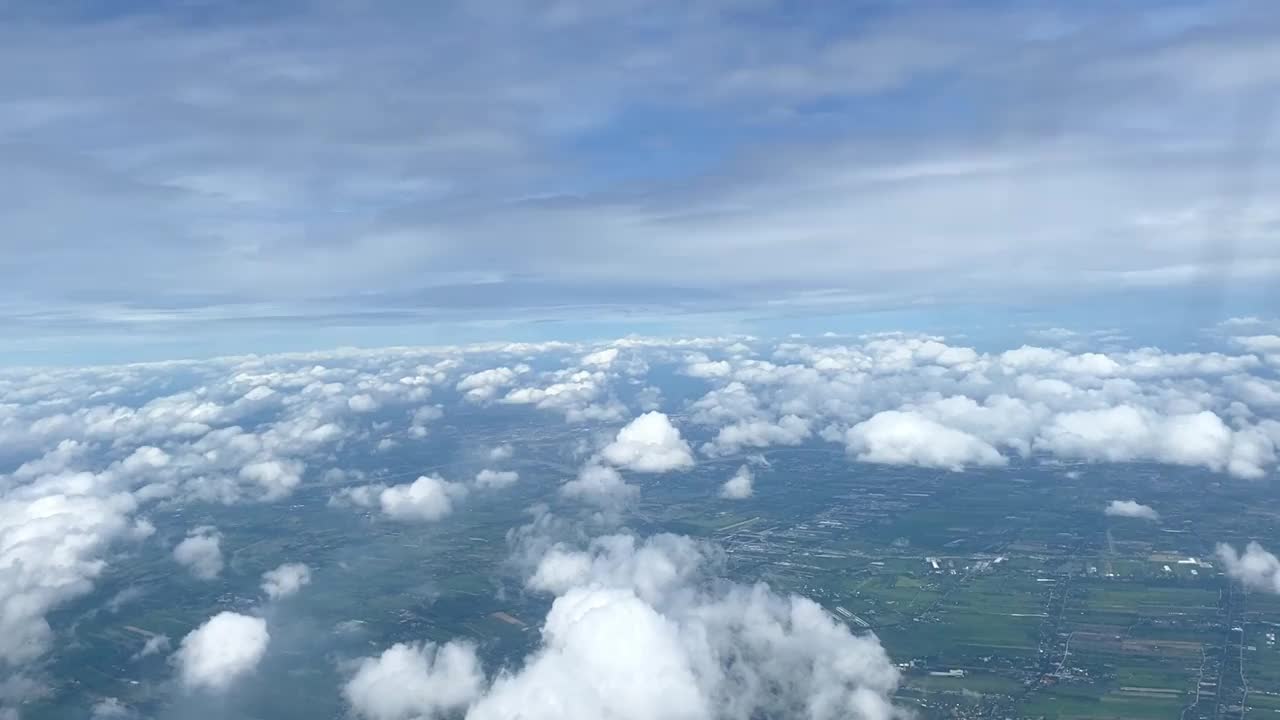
(190, 179)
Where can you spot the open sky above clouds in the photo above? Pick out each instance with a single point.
(200, 178)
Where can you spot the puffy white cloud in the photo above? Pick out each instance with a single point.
(428, 498)
(788, 430)
(632, 635)
(1131, 509)
(600, 485)
(224, 648)
(1255, 568)
(500, 453)
(601, 358)
(705, 368)
(494, 479)
(421, 417)
(201, 552)
(1125, 432)
(732, 403)
(608, 654)
(739, 486)
(362, 403)
(894, 437)
(575, 393)
(649, 444)
(652, 567)
(1261, 344)
(415, 682)
(1000, 420)
(285, 580)
(53, 534)
(277, 478)
(484, 385)
(1261, 394)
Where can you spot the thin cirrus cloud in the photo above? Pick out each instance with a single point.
(401, 165)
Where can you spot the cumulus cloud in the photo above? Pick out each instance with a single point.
(415, 682)
(223, 649)
(601, 358)
(1126, 432)
(705, 368)
(484, 385)
(285, 580)
(1255, 568)
(277, 478)
(362, 403)
(600, 485)
(500, 453)
(637, 630)
(428, 498)
(789, 430)
(739, 486)
(1131, 509)
(1261, 344)
(894, 437)
(579, 394)
(423, 416)
(53, 533)
(649, 444)
(201, 552)
(495, 479)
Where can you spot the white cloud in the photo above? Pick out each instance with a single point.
(649, 444)
(421, 417)
(484, 385)
(285, 580)
(277, 478)
(628, 610)
(908, 438)
(501, 453)
(1126, 432)
(600, 485)
(575, 393)
(494, 479)
(53, 533)
(1255, 568)
(428, 498)
(224, 648)
(415, 682)
(708, 369)
(601, 358)
(154, 645)
(1131, 509)
(111, 709)
(788, 430)
(201, 552)
(362, 403)
(739, 486)
(1261, 344)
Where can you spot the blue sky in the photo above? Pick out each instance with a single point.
(186, 179)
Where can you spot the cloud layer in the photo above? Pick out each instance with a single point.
(634, 632)
(90, 454)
